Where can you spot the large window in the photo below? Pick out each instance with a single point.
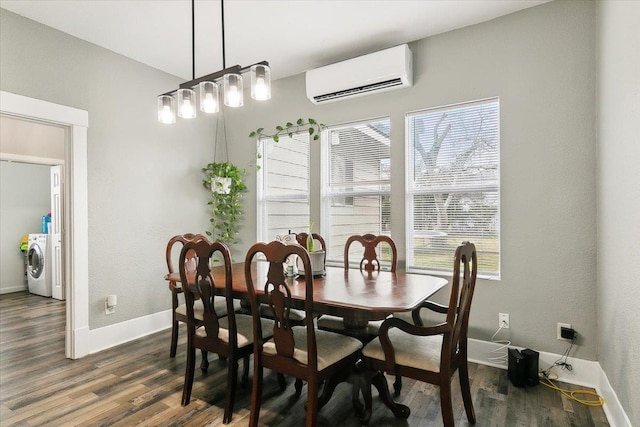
(356, 184)
(453, 185)
(283, 186)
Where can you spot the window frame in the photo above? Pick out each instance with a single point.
(410, 193)
(325, 179)
(262, 200)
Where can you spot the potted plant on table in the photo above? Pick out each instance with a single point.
(316, 256)
(224, 180)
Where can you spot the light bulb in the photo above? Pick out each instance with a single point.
(233, 97)
(187, 109)
(210, 104)
(260, 92)
(166, 109)
(165, 115)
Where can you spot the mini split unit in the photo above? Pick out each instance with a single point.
(376, 72)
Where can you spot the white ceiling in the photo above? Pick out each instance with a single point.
(293, 35)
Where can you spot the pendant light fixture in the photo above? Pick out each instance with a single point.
(208, 87)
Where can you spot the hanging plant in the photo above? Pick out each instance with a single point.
(224, 181)
(310, 125)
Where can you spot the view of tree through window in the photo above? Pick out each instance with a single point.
(453, 164)
(357, 173)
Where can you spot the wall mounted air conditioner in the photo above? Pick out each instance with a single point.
(376, 72)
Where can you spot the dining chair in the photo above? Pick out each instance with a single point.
(230, 335)
(179, 311)
(302, 352)
(429, 354)
(296, 316)
(369, 263)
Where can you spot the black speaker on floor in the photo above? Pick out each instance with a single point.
(523, 367)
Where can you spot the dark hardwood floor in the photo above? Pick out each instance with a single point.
(138, 384)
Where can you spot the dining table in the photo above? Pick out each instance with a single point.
(356, 296)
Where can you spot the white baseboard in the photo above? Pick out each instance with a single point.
(120, 333)
(585, 373)
(614, 411)
(11, 289)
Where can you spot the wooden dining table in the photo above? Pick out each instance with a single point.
(356, 296)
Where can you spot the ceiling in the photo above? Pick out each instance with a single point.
(293, 35)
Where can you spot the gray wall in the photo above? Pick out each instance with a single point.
(144, 178)
(619, 200)
(25, 195)
(541, 63)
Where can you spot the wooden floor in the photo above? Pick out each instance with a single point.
(138, 384)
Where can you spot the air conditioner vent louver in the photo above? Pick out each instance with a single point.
(358, 90)
(376, 72)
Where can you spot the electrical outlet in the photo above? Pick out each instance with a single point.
(559, 330)
(503, 320)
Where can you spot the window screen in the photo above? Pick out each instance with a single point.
(453, 185)
(283, 186)
(356, 200)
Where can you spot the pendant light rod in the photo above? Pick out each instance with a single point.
(193, 39)
(224, 56)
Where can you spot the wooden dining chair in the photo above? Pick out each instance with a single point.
(302, 352)
(429, 354)
(179, 311)
(230, 335)
(296, 316)
(369, 263)
(371, 245)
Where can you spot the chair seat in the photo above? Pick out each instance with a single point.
(220, 305)
(331, 347)
(295, 315)
(410, 350)
(336, 324)
(244, 326)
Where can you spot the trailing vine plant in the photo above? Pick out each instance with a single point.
(224, 182)
(310, 125)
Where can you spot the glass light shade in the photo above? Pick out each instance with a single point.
(233, 90)
(260, 82)
(186, 103)
(209, 97)
(166, 109)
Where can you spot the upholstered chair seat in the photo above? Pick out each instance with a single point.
(331, 347)
(420, 352)
(244, 326)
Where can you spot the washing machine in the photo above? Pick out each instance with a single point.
(39, 264)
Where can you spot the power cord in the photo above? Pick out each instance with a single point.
(546, 380)
(497, 355)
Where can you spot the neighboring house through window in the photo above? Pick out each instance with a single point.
(283, 186)
(356, 185)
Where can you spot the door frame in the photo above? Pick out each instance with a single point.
(76, 230)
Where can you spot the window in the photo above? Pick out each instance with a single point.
(283, 186)
(356, 192)
(453, 186)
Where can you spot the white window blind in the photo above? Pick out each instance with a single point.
(283, 186)
(356, 173)
(453, 185)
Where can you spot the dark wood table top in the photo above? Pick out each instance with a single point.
(346, 293)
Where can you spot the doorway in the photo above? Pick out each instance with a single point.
(75, 227)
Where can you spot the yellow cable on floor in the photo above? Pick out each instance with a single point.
(570, 394)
